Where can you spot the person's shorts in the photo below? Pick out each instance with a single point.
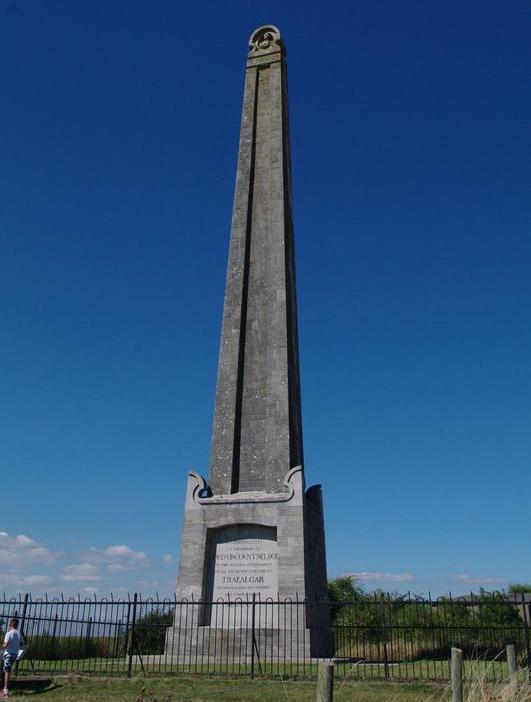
(9, 659)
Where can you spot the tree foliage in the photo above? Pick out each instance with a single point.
(519, 589)
(150, 632)
(481, 624)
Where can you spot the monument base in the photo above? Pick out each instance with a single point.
(253, 562)
(234, 646)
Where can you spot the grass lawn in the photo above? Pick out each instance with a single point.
(405, 671)
(425, 670)
(195, 689)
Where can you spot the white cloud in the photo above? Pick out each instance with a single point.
(124, 551)
(29, 565)
(80, 572)
(116, 568)
(36, 580)
(24, 580)
(478, 580)
(167, 558)
(21, 551)
(23, 541)
(383, 577)
(118, 558)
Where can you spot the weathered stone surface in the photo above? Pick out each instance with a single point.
(203, 516)
(297, 522)
(257, 434)
(253, 530)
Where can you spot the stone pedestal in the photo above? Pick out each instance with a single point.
(266, 545)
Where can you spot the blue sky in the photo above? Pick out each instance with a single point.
(411, 155)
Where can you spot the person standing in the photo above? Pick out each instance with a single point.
(11, 648)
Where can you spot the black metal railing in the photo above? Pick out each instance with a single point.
(373, 636)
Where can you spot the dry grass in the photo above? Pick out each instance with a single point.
(478, 689)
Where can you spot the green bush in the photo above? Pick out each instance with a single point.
(519, 589)
(380, 626)
(47, 648)
(150, 632)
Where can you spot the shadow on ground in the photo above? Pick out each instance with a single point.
(33, 685)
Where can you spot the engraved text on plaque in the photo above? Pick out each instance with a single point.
(242, 560)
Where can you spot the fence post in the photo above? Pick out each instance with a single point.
(384, 635)
(526, 616)
(325, 681)
(54, 633)
(132, 637)
(511, 665)
(253, 614)
(23, 618)
(88, 637)
(126, 630)
(457, 675)
(22, 622)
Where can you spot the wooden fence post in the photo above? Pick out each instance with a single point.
(325, 682)
(511, 664)
(457, 675)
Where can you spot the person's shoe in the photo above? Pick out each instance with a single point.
(4, 694)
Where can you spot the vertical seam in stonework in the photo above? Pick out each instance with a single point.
(235, 474)
(294, 402)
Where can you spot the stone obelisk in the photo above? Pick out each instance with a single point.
(252, 529)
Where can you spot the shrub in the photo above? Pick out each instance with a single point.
(150, 631)
(380, 626)
(47, 648)
(342, 593)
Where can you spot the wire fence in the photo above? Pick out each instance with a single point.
(379, 637)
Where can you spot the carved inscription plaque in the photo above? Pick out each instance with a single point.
(242, 560)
